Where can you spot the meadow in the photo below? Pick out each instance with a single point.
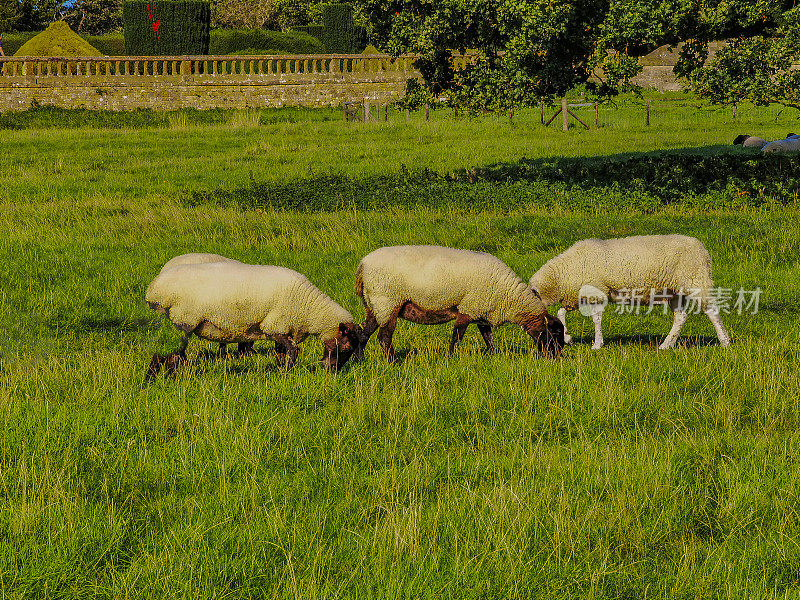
(627, 472)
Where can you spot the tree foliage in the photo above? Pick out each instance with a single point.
(756, 62)
(527, 49)
(244, 14)
(538, 49)
(29, 15)
(95, 17)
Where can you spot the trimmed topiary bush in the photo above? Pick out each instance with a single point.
(341, 34)
(57, 40)
(166, 27)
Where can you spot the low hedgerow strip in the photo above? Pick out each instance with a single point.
(53, 117)
(643, 183)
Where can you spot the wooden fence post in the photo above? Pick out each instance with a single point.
(541, 112)
(408, 116)
(427, 112)
(367, 116)
(564, 123)
(596, 117)
(647, 114)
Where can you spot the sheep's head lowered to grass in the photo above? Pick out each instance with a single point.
(429, 285)
(339, 349)
(227, 301)
(550, 338)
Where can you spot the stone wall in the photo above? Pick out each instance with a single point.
(122, 83)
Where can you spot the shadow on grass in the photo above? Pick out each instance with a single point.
(667, 175)
(702, 177)
(653, 341)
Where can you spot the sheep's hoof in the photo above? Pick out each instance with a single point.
(567, 339)
(245, 349)
(597, 346)
(168, 363)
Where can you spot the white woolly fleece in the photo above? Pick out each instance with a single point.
(643, 262)
(196, 258)
(236, 302)
(791, 144)
(754, 142)
(436, 278)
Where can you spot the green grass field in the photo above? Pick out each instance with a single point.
(621, 473)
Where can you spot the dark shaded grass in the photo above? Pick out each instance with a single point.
(714, 178)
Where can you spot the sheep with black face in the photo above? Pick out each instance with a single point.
(228, 301)
(433, 284)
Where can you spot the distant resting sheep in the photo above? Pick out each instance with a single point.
(790, 144)
(673, 267)
(749, 141)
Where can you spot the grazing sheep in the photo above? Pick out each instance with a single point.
(790, 144)
(432, 285)
(749, 141)
(661, 268)
(196, 258)
(230, 301)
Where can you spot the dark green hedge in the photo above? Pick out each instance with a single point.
(242, 41)
(341, 35)
(166, 27)
(318, 31)
(338, 33)
(110, 44)
(14, 41)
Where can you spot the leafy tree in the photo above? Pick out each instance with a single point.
(10, 14)
(95, 17)
(755, 64)
(34, 15)
(528, 49)
(244, 14)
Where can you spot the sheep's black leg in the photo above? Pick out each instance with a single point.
(245, 348)
(170, 362)
(462, 322)
(280, 351)
(222, 350)
(385, 334)
(286, 350)
(367, 329)
(488, 336)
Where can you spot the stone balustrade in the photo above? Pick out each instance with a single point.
(168, 82)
